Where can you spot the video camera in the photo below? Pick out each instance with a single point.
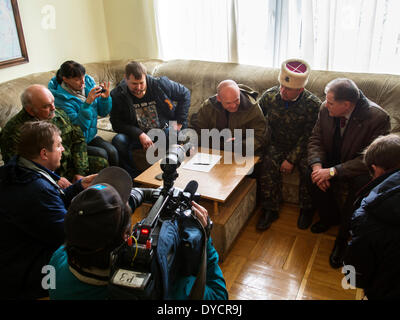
(169, 238)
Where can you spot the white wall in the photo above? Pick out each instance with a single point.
(80, 34)
(131, 29)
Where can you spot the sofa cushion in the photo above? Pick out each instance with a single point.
(114, 70)
(202, 78)
(10, 93)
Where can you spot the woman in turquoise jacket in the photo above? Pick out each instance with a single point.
(77, 94)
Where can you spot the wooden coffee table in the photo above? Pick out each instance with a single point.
(226, 192)
(216, 185)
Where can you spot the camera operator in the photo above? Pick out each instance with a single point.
(97, 222)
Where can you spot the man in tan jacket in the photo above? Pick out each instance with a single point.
(347, 123)
(233, 107)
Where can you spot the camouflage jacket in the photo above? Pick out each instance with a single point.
(290, 123)
(74, 158)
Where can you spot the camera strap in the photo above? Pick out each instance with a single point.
(28, 164)
(197, 292)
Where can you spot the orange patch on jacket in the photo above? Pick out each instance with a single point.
(169, 104)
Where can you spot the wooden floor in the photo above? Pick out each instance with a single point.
(283, 263)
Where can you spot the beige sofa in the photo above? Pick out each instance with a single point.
(201, 78)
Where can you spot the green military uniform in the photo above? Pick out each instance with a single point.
(289, 125)
(74, 159)
(248, 116)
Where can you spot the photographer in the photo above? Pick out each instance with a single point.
(97, 222)
(76, 93)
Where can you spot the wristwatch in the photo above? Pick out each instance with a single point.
(332, 172)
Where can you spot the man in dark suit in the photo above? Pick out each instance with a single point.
(347, 123)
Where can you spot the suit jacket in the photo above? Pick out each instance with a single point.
(367, 122)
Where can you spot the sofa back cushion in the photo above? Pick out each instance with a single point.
(202, 78)
(10, 92)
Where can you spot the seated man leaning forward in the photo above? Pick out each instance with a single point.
(291, 112)
(347, 123)
(38, 104)
(83, 101)
(233, 107)
(140, 103)
(374, 249)
(32, 210)
(98, 221)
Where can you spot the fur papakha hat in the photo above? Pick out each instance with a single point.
(294, 73)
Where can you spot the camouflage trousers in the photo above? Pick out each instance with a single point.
(270, 179)
(96, 164)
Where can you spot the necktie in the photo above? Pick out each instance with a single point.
(335, 156)
(342, 122)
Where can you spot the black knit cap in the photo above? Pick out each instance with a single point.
(95, 218)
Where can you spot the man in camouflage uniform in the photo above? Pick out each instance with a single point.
(38, 104)
(291, 112)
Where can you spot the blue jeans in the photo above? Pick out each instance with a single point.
(100, 148)
(125, 145)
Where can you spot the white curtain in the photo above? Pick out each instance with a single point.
(340, 35)
(357, 35)
(192, 29)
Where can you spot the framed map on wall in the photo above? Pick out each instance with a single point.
(12, 42)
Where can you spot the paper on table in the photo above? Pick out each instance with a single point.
(202, 162)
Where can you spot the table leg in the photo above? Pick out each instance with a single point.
(216, 209)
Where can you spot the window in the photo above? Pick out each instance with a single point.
(193, 29)
(340, 35)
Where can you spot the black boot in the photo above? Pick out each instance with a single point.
(337, 256)
(305, 218)
(266, 219)
(319, 227)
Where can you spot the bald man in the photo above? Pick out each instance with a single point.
(38, 104)
(233, 107)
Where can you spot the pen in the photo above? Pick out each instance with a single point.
(200, 163)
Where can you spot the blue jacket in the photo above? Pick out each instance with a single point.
(79, 112)
(374, 250)
(215, 288)
(31, 225)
